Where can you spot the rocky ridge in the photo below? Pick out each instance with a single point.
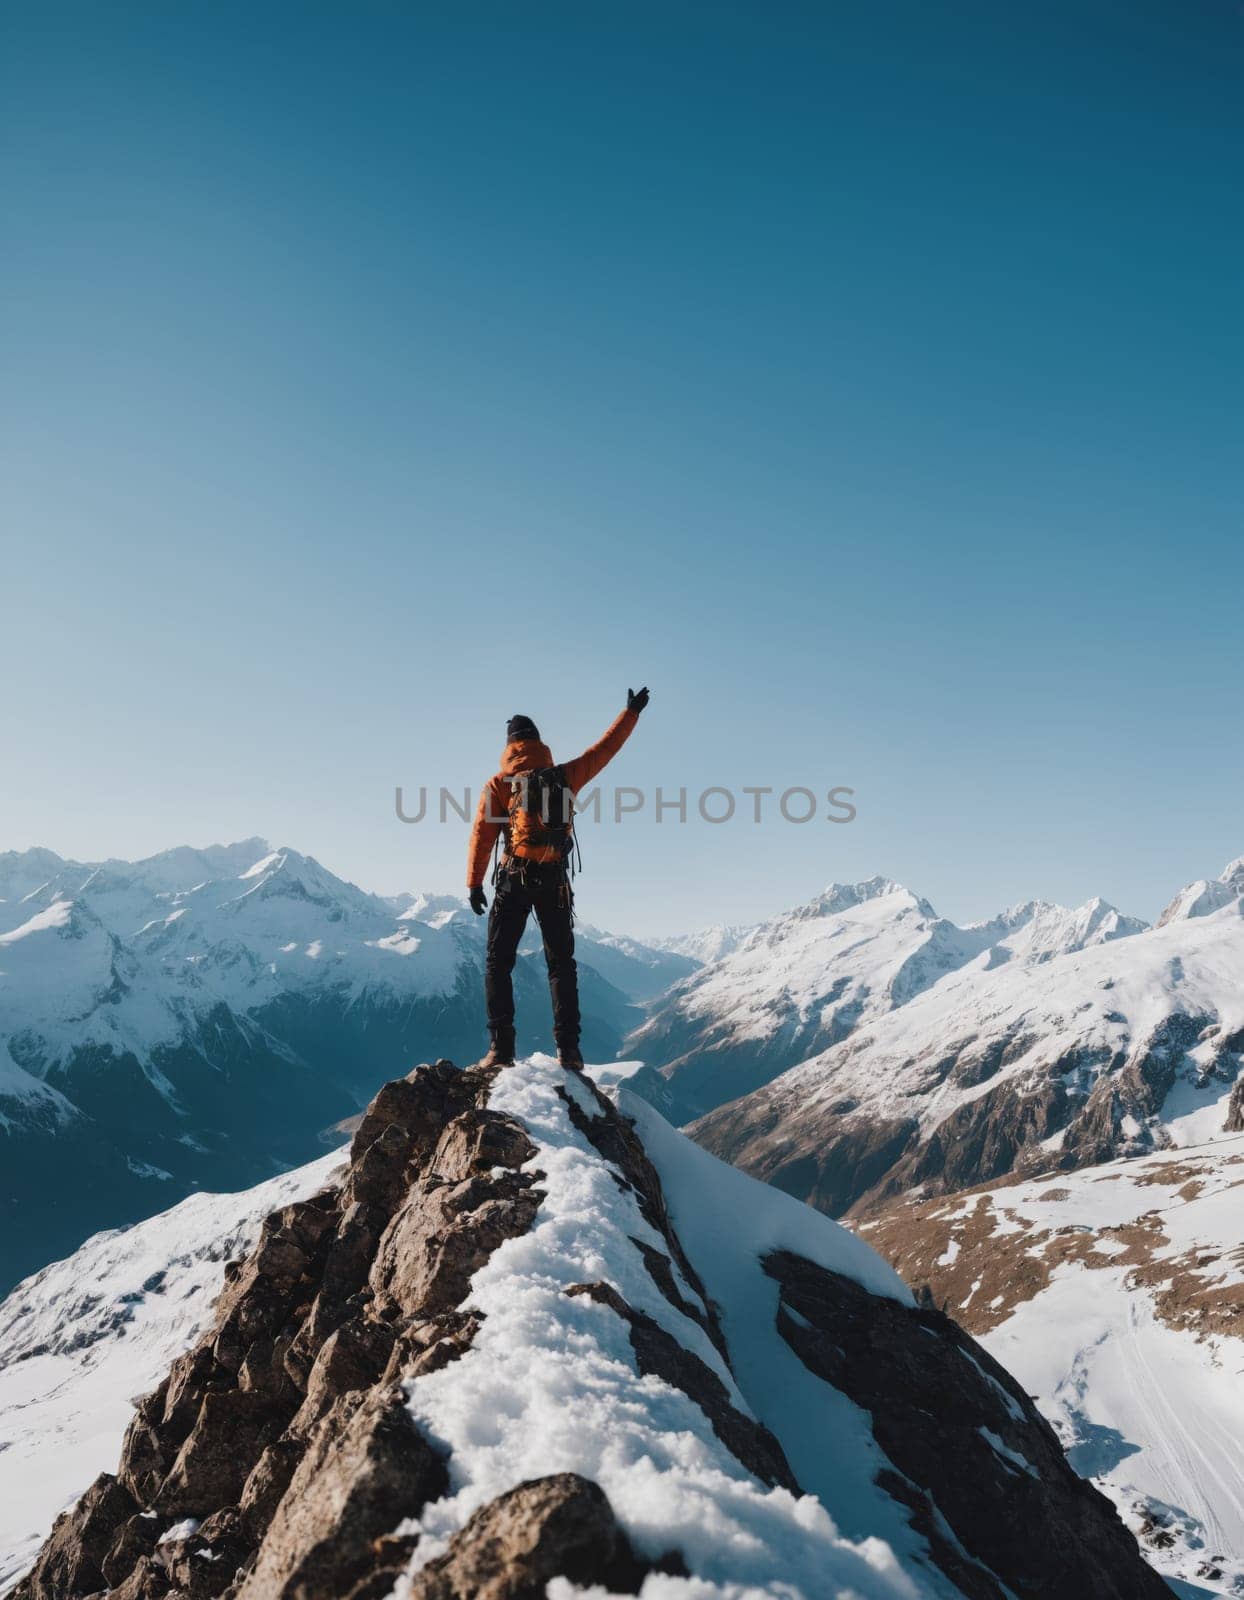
(516, 1272)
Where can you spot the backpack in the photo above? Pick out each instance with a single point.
(541, 816)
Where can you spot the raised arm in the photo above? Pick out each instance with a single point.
(584, 768)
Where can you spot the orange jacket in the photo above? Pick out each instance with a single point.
(528, 755)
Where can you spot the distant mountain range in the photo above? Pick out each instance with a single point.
(862, 1046)
(791, 987)
(198, 1019)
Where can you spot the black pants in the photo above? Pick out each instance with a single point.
(546, 891)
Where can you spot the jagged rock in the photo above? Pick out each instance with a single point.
(659, 1353)
(267, 1483)
(378, 1177)
(560, 1526)
(478, 1142)
(441, 1238)
(449, 1227)
(366, 1468)
(259, 1298)
(878, 1352)
(352, 1357)
(71, 1562)
(205, 1562)
(148, 1581)
(419, 1105)
(163, 1420)
(147, 1452)
(135, 1538)
(212, 1466)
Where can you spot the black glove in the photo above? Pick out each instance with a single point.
(478, 903)
(636, 702)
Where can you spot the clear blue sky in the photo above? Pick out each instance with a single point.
(864, 378)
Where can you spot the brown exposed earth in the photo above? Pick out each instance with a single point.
(1003, 1259)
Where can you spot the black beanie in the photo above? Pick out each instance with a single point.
(521, 728)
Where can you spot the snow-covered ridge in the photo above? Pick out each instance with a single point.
(1110, 1050)
(511, 1407)
(812, 976)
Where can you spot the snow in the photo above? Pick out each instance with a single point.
(1149, 1413)
(705, 945)
(184, 1529)
(398, 944)
(56, 916)
(83, 1338)
(850, 958)
(262, 865)
(127, 955)
(1152, 1413)
(144, 1169)
(22, 1090)
(613, 1073)
(1099, 1004)
(550, 1382)
(730, 1214)
(1011, 1457)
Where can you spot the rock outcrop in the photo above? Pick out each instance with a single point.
(282, 1458)
(280, 1444)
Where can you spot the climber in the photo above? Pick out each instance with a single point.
(529, 806)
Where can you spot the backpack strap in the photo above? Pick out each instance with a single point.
(496, 857)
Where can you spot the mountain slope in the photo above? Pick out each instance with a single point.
(805, 980)
(1116, 1297)
(84, 1336)
(704, 945)
(194, 1020)
(531, 1344)
(1114, 1049)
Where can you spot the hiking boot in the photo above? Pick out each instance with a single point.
(570, 1057)
(501, 1051)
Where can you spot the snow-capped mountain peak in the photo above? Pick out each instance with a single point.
(705, 945)
(1206, 895)
(809, 977)
(837, 897)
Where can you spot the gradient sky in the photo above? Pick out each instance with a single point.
(865, 379)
